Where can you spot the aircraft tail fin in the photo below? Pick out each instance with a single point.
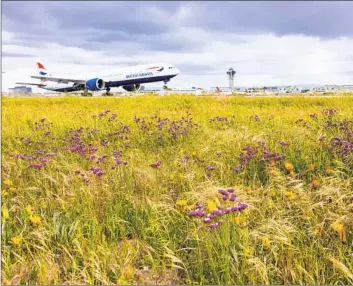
(42, 70)
(218, 89)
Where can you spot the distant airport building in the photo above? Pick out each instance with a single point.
(20, 90)
(162, 91)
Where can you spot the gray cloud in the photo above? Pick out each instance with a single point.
(81, 25)
(323, 19)
(129, 28)
(15, 55)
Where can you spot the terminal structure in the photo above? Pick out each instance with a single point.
(231, 72)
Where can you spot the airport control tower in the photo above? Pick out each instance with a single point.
(231, 72)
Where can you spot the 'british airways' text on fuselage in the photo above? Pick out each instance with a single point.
(139, 74)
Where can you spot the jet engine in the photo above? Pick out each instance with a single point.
(95, 84)
(132, 87)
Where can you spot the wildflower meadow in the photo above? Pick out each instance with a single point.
(177, 190)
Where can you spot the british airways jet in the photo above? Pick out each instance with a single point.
(129, 78)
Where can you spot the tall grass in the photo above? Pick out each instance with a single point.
(127, 221)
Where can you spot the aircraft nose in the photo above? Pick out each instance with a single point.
(177, 71)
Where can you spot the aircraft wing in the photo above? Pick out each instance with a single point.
(30, 83)
(59, 80)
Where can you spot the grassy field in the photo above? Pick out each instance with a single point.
(177, 189)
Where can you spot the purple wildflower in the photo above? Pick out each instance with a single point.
(36, 166)
(156, 165)
(223, 192)
(279, 157)
(210, 168)
(237, 169)
(207, 220)
(233, 197)
(214, 225)
(242, 206)
(100, 159)
(199, 206)
(256, 117)
(218, 212)
(44, 160)
(97, 171)
(199, 213)
(20, 156)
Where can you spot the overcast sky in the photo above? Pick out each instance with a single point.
(267, 43)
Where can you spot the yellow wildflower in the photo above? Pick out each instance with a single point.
(270, 203)
(239, 220)
(8, 182)
(4, 193)
(248, 251)
(35, 219)
(5, 213)
(338, 227)
(29, 209)
(289, 167)
(211, 205)
(265, 242)
(181, 202)
(16, 240)
(290, 195)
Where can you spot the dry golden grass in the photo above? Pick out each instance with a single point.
(130, 223)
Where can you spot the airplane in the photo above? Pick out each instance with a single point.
(130, 78)
(225, 91)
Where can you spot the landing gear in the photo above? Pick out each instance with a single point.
(165, 84)
(86, 93)
(107, 92)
